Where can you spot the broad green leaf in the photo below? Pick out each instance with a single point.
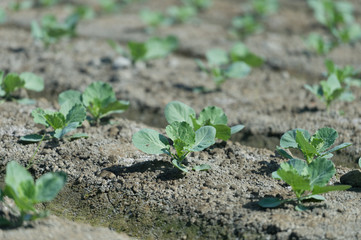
(160, 47)
(179, 165)
(270, 202)
(60, 132)
(178, 111)
(288, 139)
(182, 131)
(12, 82)
(202, 167)
(137, 50)
(212, 115)
(32, 81)
(217, 57)
(300, 166)
(19, 185)
(98, 90)
(325, 189)
(275, 175)
(359, 162)
(307, 149)
(39, 116)
(48, 186)
(31, 138)
(26, 101)
(36, 30)
(238, 70)
(238, 52)
(204, 138)
(328, 135)
(150, 141)
(114, 107)
(76, 114)
(236, 128)
(56, 120)
(72, 96)
(222, 131)
(290, 175)
(321, 171)
(2, 15)
(331, 86)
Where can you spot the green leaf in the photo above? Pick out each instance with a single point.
(222, 131)
(98, 91)
(300, 166)
(307, 149)
(328, 136)
(339, 147)
(325, 189)
(238, 70)
(178, 111)
(56, 120)
(212, 115)
(39, 116)
(204, 138)
(160, 47)
(32, 81)
(321, 171)
(182, 131)
(291, 176)
(76, 114)
(270, 202)
(150, 141)
(12, 82)
(202, 167)
(72, 96)
(300, 207)
(48, 186)
(314, 197)
(114, 107)
(288, 139)
(78, 135)
(283, 153)
(217, 57)
(26, 101)
(179, 165)
(31, 138)
(359, 162)
(59, 133)
(19, 186)
(236, 129)
(137, 50)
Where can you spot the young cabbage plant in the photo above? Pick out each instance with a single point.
(306, 180)
(198, 4)
(346, 75)
(154, 47)
(12, 82)
(184, 138)
(20, 186)
(98, 98)
(69, 117)
(316, 146)
(329, 91)
(222, 65)
(50, 30)
(319, 44)
(209, 116)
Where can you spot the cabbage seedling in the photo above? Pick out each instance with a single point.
(328, 91)
(153, 48)
(98, 98)
(307, 181)
(209, 116)
(20, 186)
(66, 120)
(185, 140)
(222, 65)
(316, 146)
(12, 82)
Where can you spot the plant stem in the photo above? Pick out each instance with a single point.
(31, 162)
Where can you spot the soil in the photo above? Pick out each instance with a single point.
(112, 184)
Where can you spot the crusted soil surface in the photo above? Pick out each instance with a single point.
(112, 184)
